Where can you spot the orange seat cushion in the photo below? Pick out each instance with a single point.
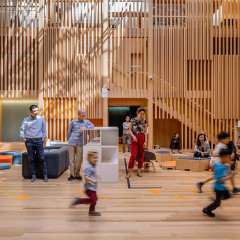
(6, 159)
(169, 163)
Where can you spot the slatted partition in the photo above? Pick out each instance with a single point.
(72, 63)
(196, 65)
(128, 44)
(19, 49)
(189, 47)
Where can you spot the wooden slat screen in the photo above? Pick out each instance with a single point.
(190, 47)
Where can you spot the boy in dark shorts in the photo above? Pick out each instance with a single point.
(221, 175)
(90, 176)
(223, 143)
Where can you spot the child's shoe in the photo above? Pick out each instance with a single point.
(74, 202)
(208, 213)
(236, 190)
(94, 213)
(199, 186)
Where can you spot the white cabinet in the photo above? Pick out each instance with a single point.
(104, 140)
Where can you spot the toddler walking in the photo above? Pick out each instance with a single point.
(90, 176)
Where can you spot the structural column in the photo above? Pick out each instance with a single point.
(40, 60)
(105, 60)
(150, 73)
(0, 120)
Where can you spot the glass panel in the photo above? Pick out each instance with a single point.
(13, 113)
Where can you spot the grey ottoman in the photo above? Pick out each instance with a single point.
(55, 160)
(66, 152)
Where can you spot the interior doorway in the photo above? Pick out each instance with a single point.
(117, 116)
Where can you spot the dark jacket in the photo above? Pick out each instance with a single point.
(174, 141)
(233, 149)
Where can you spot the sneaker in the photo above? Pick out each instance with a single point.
(208, 213)
(33, 178)
(45, 178)
(78, 177)
(236, 190)
(199, 186)
(71, 178)
(74, 202)
(94, 213)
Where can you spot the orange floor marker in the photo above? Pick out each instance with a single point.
(23, 197)
(80, 192)
(178, 197)
(194, 191)
(7, 192)
(103, 197)
(155, 191)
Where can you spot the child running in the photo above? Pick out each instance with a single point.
(221, 176)
(90, 176)
(223, 141)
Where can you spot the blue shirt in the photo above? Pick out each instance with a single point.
(220, 171)
(90, 171)
(73, 135)
(33, 128)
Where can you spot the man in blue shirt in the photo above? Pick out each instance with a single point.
(76, 142)
(33, 133)
(221, 175)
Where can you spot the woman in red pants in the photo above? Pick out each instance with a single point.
(138, 132)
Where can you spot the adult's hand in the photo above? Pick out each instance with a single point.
(144, 145)
(81, 130)
(135, 139)
(24, 139)
(44, 142)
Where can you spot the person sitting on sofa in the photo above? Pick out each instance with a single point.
(175, 143)
(202, 148)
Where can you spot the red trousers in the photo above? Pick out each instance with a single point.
(137, 147)
(92, 200)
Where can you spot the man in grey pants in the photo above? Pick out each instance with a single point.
(76, 142)
(126, 134)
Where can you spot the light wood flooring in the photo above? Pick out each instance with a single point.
(136, 214)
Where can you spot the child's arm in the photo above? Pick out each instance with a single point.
(211, 168)
(224, 179)
(215, 154)
(90, 179)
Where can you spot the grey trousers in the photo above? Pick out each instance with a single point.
(125, 138)
(75, 159)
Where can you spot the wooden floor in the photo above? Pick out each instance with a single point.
(136, 214)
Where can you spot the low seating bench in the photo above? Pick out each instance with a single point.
(5, 166)
(17, 156)
(6, 159)
(192, 164)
